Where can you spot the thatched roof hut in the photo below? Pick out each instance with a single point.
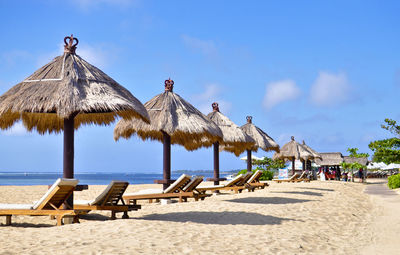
(363, 161)
(67, 86)
(262, 140)
(292, 151)
(64, 94)
(173, 121)
(330, 159)
(235, 140)
(315, 154)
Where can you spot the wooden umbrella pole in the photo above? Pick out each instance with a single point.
(68, 163)
(293, 166)
(166, 159)
(304, 165)
(216, 163)
(249, 161)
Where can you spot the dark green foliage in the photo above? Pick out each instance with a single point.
(387, 150)
(354, 154)
(394, 181)
(269, 164)
(266, 176)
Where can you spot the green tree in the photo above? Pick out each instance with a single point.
(269, 164)
(351, 166)
(387, 150)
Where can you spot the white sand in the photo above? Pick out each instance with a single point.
(288, 218)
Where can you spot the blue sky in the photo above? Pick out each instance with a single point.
(327, 72)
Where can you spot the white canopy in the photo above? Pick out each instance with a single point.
(253, 157)
(376, 165)
(392, 166)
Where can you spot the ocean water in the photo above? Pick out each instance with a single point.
(35, 178)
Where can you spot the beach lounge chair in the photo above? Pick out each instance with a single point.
(183, 188)
(109, 200)
(50, 204)
(302, 178)
(291, 179)
(237, 184)
(254, 181)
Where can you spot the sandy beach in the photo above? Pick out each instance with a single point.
(289, 218)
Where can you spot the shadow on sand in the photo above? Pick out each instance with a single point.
(29, 225)
(220, 218)
(321, 189)
(268, 200)
(308, 193)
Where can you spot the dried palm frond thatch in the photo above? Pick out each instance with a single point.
(234, 138)
(293, 150)
(64, 94)
(171, 114)
(262, 139)
(67, 86)
(313, 152)
(330, 159)
(173, 121)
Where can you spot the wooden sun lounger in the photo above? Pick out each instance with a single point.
(109, 200)
(237, 184)
(183, 188)
(50, 204)
(291, 179)
(302, 178)
(254, 181)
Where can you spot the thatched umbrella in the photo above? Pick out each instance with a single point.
(292, 151)
(173, 121)
(263, 141)
(315, 154)
(235, 140)
(64, 94)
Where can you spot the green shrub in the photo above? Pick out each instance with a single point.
(266, 176)
(394, 181)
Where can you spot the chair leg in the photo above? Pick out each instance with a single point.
(125, 215)
(113, 215)
(59, 220)
(8, 220)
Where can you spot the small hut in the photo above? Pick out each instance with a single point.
(292, 151)
(235, 140)
(262, 139)
(307, 162)
(173, 121)
(363, 160)
(64, 94)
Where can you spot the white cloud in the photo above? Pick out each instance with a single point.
(330, 89)
(87, 5)
(210, 95)
(207, 47)
(17, 129)
(280, 91)
(98, 55)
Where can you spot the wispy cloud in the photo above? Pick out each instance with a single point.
(17, 129)
(99, 55)
(280, 91)
(11, 58)
(330, 89)
(296, 120)
(207, 47)
(87, 5)
(212, 93)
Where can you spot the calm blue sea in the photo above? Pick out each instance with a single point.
(32, 178)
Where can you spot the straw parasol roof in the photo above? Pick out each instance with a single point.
(363, 160)
(330, 159)
(262, 139)
(68, 86)
(171, 114)
(293, 150)
(234, 138)
(315, 154)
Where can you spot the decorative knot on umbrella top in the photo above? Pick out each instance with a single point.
(215, 107)
(292, 137)
(70, 46)
(249, 118)
(169, 85)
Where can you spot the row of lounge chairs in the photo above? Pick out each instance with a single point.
(114, 198)
(295, 178)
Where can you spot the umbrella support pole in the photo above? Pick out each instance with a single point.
(304, 165)
(249, 161)
(68, 160)
(166, 159)
(216, 162)
(293, 167)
